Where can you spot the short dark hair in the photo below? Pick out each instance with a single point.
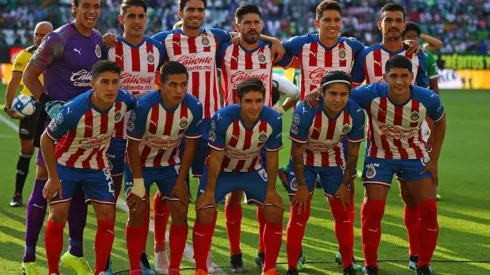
(103, 66)
(246, 9)
(411, 26)
(250, 84)
(393, 7)
(75, 3)
(129, 3)
(336, 75)
(170, 68)
(398, 61)
(327, 5)
(182, 4)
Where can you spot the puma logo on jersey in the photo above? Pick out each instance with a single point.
(79, 51)
(376, 62)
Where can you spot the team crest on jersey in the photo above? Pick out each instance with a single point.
(262, 137)
(342, 54)
(205, 40)
(345, 129)
(370, 171)
(183, 123)
(414, 116)
(213, 125)
(212, 136)
(296, 119)
(98, 51)
(294, 184)
(150, 58)
(118, 116)
(261, 57)
(131, 125)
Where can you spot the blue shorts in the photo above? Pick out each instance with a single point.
(381, 171)
(97, 184)
(202, 150)
(164, 177)
(254, 184)
(329, 177)
(115, 154)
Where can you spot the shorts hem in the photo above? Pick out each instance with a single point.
(100, 201)
(366, 182)
(59, 201)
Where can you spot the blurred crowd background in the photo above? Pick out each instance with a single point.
(463, 25)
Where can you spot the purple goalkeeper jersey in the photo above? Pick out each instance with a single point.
(66, 58)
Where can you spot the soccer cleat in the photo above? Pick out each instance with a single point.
(338, 260)
(77, 264)
(29, 268)
(371, 270)
(438, 197)
(209, 263)
(237, 264)
(349, 271)
(145, 265)
(412, 262)
(161, 262)
(292, 271)
(16, 201)
(200, 272)
(301, 261)
(425, 270)
(259, 260)
(283, 176)
(271, 271)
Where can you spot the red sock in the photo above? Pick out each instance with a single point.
(372, 212)
(233, 214)
(352, 210)
(429, 231)
(262, 221)
(146, 226)
(344, 230)
(177, 240)
(53, 241)
(295, 233)
(202, 234)
(104, 238)
(273, 235)
(161, 216)
(412, 223)
(134, 243)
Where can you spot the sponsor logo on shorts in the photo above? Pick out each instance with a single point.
(263, 174)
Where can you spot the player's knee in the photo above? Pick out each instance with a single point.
(41, 173)
(206, 216)
(26, 147)
(407, 197)
(105, 212)
(273, 214)
(58, 213)
(178, 211)
(299, 216)
(137, 215)
(234, 198)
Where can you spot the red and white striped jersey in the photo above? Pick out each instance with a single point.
(238, 64)
(394, 131)
(242, 146)
(161, 131)
(370, 65)
(198, 55)
(316, 59)
(84, 132)
(322, 134)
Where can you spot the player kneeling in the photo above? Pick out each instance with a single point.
(83, 129)
(317, 152)
(237, 134)
(155, 129)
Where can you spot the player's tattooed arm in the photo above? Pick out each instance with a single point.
(351, 162)
(297, 152)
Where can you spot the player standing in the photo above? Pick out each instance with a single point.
(83, 129)
(317, 151)
(27, 125)
(237, 135)
(396, 110)
(65, 58)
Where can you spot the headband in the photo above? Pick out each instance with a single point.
(336, 81)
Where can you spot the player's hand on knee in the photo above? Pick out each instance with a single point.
(431, 167)
(274, 199)
(51, 188)
(344, 195)
(109, 40)
(206, 199)
(135, 203)
(138, 189)
(301, 198)
(181, 192)
(313, 98)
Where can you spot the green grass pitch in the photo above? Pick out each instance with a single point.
(464, 216)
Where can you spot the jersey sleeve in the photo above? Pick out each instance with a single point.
(356, 134)
(217, 132)
(356, 46)
(274, 142)
(294, 45)
(302, 120)
(221, 35)
(363, 95)
(286, 61)
(136, 127)
(195, 128)
(105, 53)
(435, 109)
(62, 123)
(163, 53)
(130, 100)
(21, 61)
(431, 65)
(421, 79)
(161, 36)
(357, 73)
(220, 53)
(51, 48)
